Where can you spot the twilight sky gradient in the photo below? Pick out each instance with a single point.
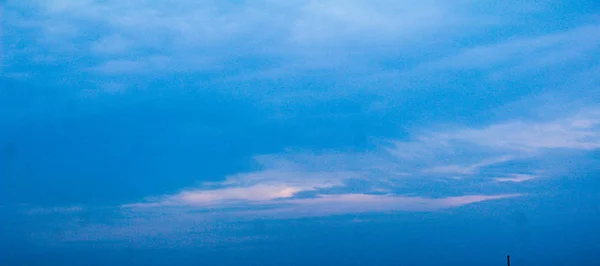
(299, 132)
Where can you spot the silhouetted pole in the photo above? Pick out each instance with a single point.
(508, 259)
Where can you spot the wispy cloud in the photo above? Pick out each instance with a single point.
(216, 197)
(316, 180)
(529, 52)
(468, 169)
(183, 226)
(136, 37)
(580, 131)
(263, 186)
(515, 178)
(326, 205)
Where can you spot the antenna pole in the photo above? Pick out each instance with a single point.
(508, 259)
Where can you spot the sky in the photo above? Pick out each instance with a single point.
(299, 132)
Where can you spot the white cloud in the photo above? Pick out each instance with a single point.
(261, 187)
(515, 178)
(296, 178)
(566, 53)
(468, 169)
(294, 185)
(580, 131)
(216, 197)
(530, 52)
(360, 20)
(325, 205)
(299, 33)
(466, 151)
(179, 225)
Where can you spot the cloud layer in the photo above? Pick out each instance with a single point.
(485, 155)
(462, 165)
(356, 107)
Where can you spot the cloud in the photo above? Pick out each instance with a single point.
(480, 154)
(468, 151)
(253, 193)
(468, 169)
(347, 48)
(580, 131)
(515, 178)
(187, 226)
(326, 205)
(257, 193)
(372, 21)
(262, 186)
(529, 52)
(413, 175)
(293, 35)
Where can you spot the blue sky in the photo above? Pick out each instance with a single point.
(299, 132)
